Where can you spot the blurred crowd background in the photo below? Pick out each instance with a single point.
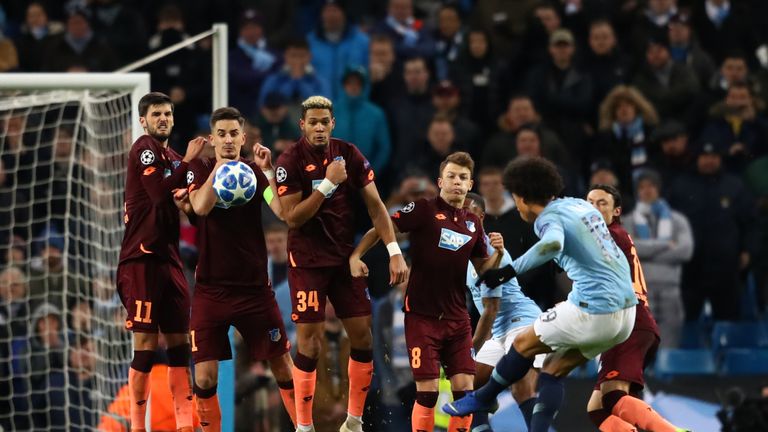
(664, 99)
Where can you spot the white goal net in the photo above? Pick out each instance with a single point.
(64, 352)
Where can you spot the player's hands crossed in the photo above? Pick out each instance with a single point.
(357, 267)
(194, 148)
(262, 156)
(497, 241)
(336, 171)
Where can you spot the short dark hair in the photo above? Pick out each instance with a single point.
(477, 199)
(461, 159)
(227, 113)
(153, 98)
(490, 170)
(534, 179)
(297, 43)
(610, 190)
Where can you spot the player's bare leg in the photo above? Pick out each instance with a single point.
(144, 346)
(620, 410)
(179, 379)
(309, 342)
(206, 380)
(281, 369)
(423, 415)
(460, 385)
(360, 370)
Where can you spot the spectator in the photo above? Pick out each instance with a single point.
(14, 212)
(608, 66)
(479, 73)
(9, 56)
(543, 22)
(79, 45)
(715, 202)
(650, 22)
(733, 69)
(250, 62)
(337, 44)
(386, 76)
(685, 48)
(626, 122)
(521, 112)
(297, 79)
(410, 36)
(124, 29)
(506, 22)
(675, 157)
(82, 383)
(450, 40)
(360, 121)
(412, 112)
(670, 86)
(36, 34)
(441, 140)
(722, 26)
(562, 91)
(528, 144)
(332, 380)
(47, 278)
(274, 123)
(446, 99)
(46, 359)
(15, 306)
(756, 178)
(664, 242)
(602, 173)
(735, 122)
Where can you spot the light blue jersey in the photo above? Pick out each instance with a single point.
(574, 234)
(515, 309)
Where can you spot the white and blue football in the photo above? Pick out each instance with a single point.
(234, 184)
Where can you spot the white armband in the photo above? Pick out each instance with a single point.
(269, 174)
(393, 249)
(325, 187)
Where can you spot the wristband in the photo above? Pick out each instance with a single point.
(269, 174)
(393, 249)
(325, 187)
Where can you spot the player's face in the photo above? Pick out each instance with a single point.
(317, 126)
(158, 122)
(603, 202)
(474, 208)
(454, 183)
(227, 138)
(525, 210)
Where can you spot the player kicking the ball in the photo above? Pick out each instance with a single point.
(232, 286)
(444, 239)
(599, 312)
(150, 280)
(317, 178)
(615, 405)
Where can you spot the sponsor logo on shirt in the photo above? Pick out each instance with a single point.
(310, 168)
(147, 157)
(440, 216)
(281, 190)
(452, 240)
(316, 183)
(149, 170)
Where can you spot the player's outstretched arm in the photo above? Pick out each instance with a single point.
(484, 325)
(159, 187)
(297, 212)
(203, 199)
(398, 269)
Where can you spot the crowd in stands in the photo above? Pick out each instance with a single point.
(665, 99)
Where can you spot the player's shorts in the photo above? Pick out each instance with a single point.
(566, 326)
(154, 294)
(433, 342)
(627, 360)
(255, 316)
(310, 286)
(494, 349)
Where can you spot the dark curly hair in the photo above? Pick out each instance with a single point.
(534, 179)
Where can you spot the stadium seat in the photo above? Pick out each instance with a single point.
(743, 361)
(730, 334)
(694, 335)
(677, 362)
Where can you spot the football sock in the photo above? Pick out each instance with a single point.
(551, 393)
(479, 418)
(615, 424)
(423, 415)
(511, 368)
(360, 371)
(304, 376)
(180, 384)
(459, 424)
(208, 409)
(289, 398)
(527, 409)
(636, 412)
(138, 387)
(598, 416)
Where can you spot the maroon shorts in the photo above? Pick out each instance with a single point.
(255, 315)
(155, 295)
(433, 342)
(627, 360)
(310, 287)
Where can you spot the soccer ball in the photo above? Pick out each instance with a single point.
(234, 184)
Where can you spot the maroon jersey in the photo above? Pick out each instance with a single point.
(643, 318)
(443, 239)
(151, 218)
(325, 240)
(230, 241)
